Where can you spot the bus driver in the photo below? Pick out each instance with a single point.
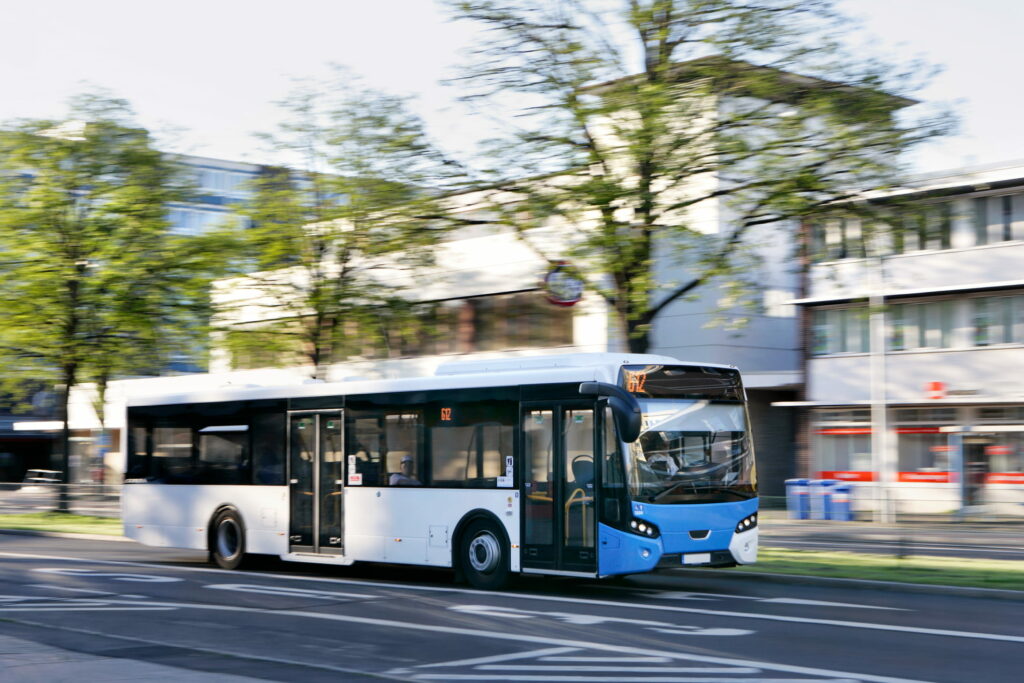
(406, 476)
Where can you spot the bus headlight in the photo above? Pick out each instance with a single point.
(747, 523)
(644, 528)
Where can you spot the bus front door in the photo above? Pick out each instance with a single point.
(316, 519)
(559, 488)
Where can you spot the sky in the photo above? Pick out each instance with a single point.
(206, 74)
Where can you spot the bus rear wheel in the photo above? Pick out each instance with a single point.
(227, 542)
(484, 556)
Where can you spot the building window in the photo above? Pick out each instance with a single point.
(921, 229)
(837, 238)
(921, 326)
(998, 219)
(839, 330)
(998, 320)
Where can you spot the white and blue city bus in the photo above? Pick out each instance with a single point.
(585, 465)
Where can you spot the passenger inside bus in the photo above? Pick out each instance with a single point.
(406, 477)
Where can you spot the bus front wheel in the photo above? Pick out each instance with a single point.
(228, 540)
(484, 555)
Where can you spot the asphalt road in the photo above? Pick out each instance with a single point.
(85, 604)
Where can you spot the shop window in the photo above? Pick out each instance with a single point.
(923, 451)
(839, 450)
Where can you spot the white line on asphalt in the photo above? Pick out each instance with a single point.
(630, 679)
(551, 598)
(504, 658)
(520, 638)
(630, 669)
(610, 660)
(52, 586)
(285, 592)
(677, 595)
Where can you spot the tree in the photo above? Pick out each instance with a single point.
(635, 115)
(93, 282)
(336, 234)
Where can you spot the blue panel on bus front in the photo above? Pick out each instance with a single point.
(624, 553)
(676, 522)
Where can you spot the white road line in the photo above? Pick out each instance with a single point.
(628, 669)
(629, 679)
(550, 598)
(53, 586)
(503, 658)
(676, 595)
(519, 638)
(610, 660)
(285, 592)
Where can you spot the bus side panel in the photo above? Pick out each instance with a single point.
(176, 516)
(409, 525)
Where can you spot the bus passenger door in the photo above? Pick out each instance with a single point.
(559, 488)
(315, 456)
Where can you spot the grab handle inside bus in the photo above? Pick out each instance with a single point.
(624, 407)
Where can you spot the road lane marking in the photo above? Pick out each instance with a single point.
(676, 595)
(502, 658)
(582, 658)
(285, 592)
(592, 619)
(628, 679)
(548, 598)
(116, 576)
(510, 637)
(624, 669)
(22, 603)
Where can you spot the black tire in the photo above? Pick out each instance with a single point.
(227, 540)
(484, 555)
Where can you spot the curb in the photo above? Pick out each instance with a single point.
(62, 534)
(873, 584)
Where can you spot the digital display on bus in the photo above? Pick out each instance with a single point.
(682, 382)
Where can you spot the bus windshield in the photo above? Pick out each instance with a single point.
(691, 451)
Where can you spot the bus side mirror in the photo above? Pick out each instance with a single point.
(625, 407)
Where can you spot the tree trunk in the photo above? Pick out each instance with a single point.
(63, 499)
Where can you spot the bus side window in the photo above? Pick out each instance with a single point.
(365, 441)
(403, 440)
(269, 447)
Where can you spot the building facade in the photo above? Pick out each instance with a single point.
(915, 340)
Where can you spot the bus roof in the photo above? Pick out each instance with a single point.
(547, 369)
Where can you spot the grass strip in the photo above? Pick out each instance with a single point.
(946, 571)
(62, 522)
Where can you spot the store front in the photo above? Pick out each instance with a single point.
(933, 459)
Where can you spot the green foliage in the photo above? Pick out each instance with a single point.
(338, 234)
(93, 282)
(636, 118)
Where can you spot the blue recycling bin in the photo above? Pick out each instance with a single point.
(820, 494)
(797, 504)
(840, 502)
